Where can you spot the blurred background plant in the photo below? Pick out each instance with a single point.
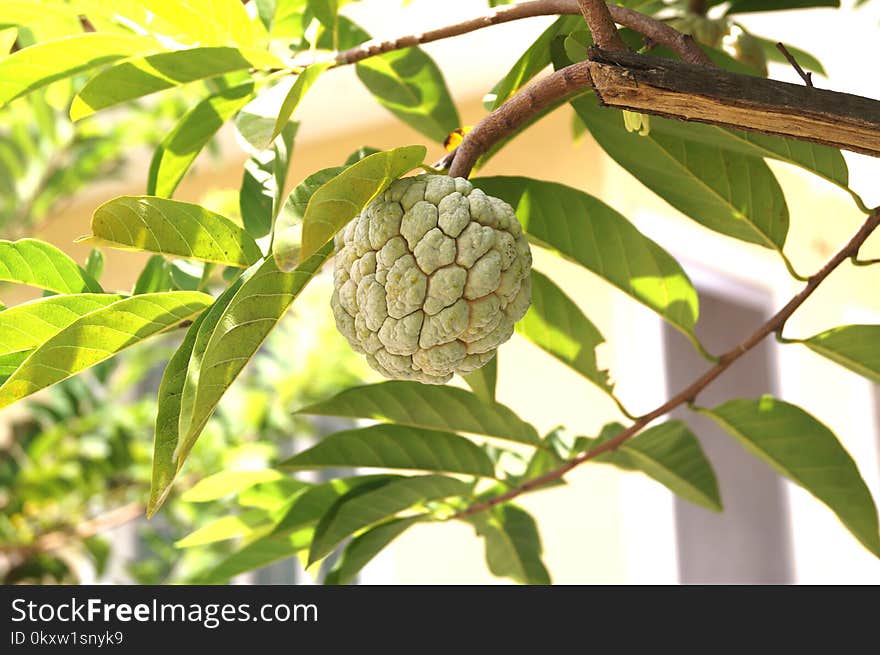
(79, 463)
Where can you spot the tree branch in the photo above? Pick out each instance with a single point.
(599, 20)
(689, 394)
(659, 32)
(679, 90)
(516, 112)
(673, 89)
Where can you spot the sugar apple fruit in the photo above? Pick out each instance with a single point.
(430, 278)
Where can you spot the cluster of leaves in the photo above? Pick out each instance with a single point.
(44, 160)
(81, 452)
(261, 60)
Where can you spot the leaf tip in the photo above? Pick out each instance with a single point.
(79, 109)
(158, 495)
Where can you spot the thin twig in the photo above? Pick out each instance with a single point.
(517, 111)
(689, 394)
(599, 20)
(495, 17)
(661, 33)
(50, 541)
(805, 76)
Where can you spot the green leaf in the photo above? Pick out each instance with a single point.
(743, 6)
(513, 545)
(206, 22)
(282, 149)
(805, 451)
(342, 198)
(344, 34)
(857, 347)
(294, 528)
(28, 12)
(264, 117)
(325, 11)
(395, 447)
(11, 361)
(221, 353)
(754, 66)
(257, 194)
(168, 451)
(723, 190)
(535, 59)
(360, 153)
(589, 232)
(483, 380)
(155, 277)
(95, 263)
(553, 455)
(364, 506)
(670, 454)
(173, 444)
(171, 227)
(142, 76)
(340, 33)
(257, 554)
(26, 326)
(40, 23)
(427, 406)
(42, 265)
(273, 496)
(193, 131)
(308, 507)
(805, 59)
(43, 63)
(97, 336)
(285, 19)
(99, 551)
(824, 161)
(263, 183)
(288, 225)
(410, 85)
(366, 546)
(224, 528)
(556, 324)
(227, 483)
(188, 275)
(8, 37)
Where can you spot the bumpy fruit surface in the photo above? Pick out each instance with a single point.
(430, 278)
